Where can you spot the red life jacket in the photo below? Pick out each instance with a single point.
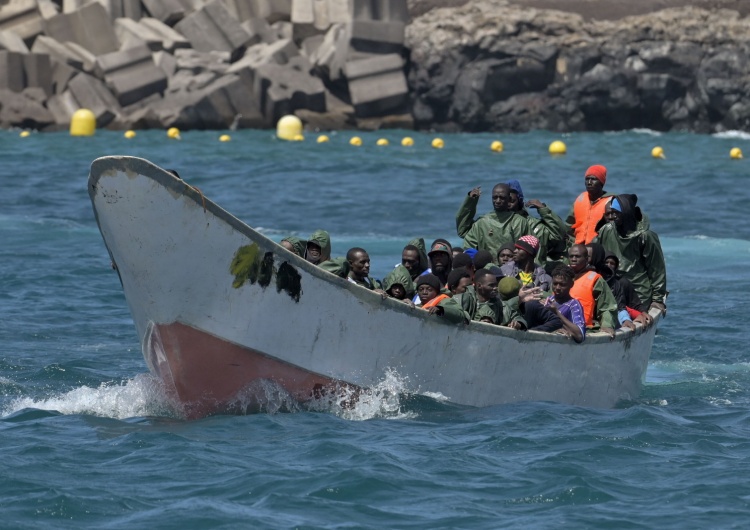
(583, 291)
(587, 215)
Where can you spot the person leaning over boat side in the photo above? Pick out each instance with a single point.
(295, 245)
(318, 249)
(494, 229)
(359, 270)
(484, 293)
(567, 308)
(589, 288)
(638, 249)
(588, 208)
(524, 268)
(437, 303)
(399, 285)
(637, 310)
(458, 280)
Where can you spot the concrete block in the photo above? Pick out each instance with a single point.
(312, 17)
(38, 71)
(131, 74)
(90, 27)
(282, 89)
(170, 39)
(62, 107)
(376, 36)
(187, 81)
(23, 18)
(168, 11)
(12, 42)
(92, 94)
(62, 73)
(11, 71)
(88, 59)
(57, 51)
(24, 109)
(131, 9)
(48, 9)
(140, 118)
(330, 57)
(270, 10)
(129, 31)
(377, 85)
(196, 62)
(166, 62)
(213, 28)
(387, 10)
(282, 29)
(259, 31)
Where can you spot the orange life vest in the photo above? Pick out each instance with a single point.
(435, 301)
(583, 291)
(587, 215)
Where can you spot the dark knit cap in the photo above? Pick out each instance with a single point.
(482, 258)
(429, 279)
(528, 243)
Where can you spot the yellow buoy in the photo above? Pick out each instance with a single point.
(558, 148)
(129, 134)
(323, 139)
(173, 133)
(382, 141)
(497, 146)
(298, 138)
(289, 127)
(225, 138)
(438, 143)
(735, 153)
(356, 141)
(658, 152)
(24, 134)
(408, 141)
(83, 123)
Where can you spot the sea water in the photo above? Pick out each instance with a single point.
(89, 440)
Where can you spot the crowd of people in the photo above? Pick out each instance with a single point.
(600, 269)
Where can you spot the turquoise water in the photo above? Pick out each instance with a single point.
(89, 440)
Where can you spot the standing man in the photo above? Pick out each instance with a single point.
(589, 288)
(588, 208)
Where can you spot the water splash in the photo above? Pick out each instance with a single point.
(737, 135)
(144, 395)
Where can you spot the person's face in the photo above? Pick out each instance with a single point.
(611, 263)
(561, 287)
(397, 291)
(426, 293)
(612, 216)
(520, 255)
(313, 253)
(463, 283)
(361, 265)
(501, 199)
(486, 287)
(593, 185)
(505, 255)
(410, 259)
(441, 261)
(578, 258)
(513, 203)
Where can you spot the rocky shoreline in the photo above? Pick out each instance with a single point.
(449, 65)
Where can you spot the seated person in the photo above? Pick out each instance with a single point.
(458, 280)
(464, 261)
(484, 292)
(441, 256)
(538, 317)
(359, 270)
(482, 259)
(589, 288)
(295, 245)
(398, 284)
(567, 308)
(428, 290)
(318, 249)
(523, 266)
(505, 254)
(414, 258)
(633, 305)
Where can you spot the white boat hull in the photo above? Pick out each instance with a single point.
(220, 308)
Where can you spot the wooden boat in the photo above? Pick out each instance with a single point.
(223, 312)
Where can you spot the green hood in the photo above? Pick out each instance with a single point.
(399, 275)
(298, 244)
(323, 240)
(424, 263)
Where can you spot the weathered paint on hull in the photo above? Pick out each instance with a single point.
(186, 264)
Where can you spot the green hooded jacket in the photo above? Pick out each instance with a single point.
(323, 240)
(299, 245)
(504, 312)
(338, 266)
(424, 262)
(400, 275)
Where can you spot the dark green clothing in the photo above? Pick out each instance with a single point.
(323, 240)
(368, 283)
(551, 232)
(605, 312)
(641, 260)
(299, 245)
(399, 275)
(424, 262)
(452, 311)
(338, 266)
(504, 312)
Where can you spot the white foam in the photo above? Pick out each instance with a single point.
(144, 395)
(738, 135)
(648, 132)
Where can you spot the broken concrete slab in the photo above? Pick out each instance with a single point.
(131, 74)
(377, 85)
(23, 18)
(90, 27)
(213, 29)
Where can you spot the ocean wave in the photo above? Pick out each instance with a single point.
(734, 135)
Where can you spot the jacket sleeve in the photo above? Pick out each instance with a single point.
(555, 227)
(465, 215)
(606, 305)
(510, 312)
(452, 312)
(653, 258)
(472, 238)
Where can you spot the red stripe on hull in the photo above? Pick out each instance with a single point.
(207, 373)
